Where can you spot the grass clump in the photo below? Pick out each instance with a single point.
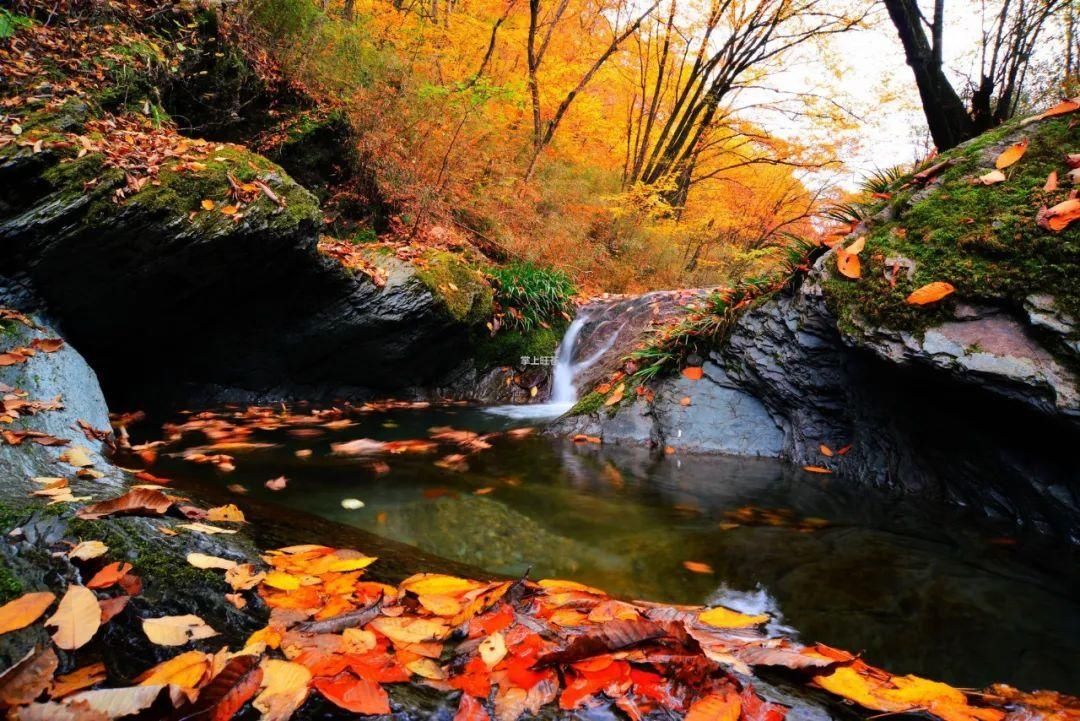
(530, 296)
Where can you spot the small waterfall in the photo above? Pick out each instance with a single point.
(562, 379)
(563, 393)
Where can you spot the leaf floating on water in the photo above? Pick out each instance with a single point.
(930, 293)
(77, 618)
(77, 680)
(354, 694)
(277, 484)
(204, 528)
(284, 689)
(228, 514)
(352, 504)
(715, 707)
(176, 630)
(186, 670)
(24, 610)
(1011, 154)
(721, 617)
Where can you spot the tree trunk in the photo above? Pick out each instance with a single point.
(945, 113)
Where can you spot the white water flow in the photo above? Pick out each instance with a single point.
(563, 393)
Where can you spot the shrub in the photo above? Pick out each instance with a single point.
(530, 296)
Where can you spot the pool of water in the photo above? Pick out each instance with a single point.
(917, 590)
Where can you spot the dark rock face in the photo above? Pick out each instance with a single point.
(172, 309)
(975, 412)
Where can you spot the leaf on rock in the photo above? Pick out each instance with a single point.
(930, 293)
(1059, 216)
(77, 680)
(228, 514)
(88, 550)
(354, 694)
(992, 178)
(694, 373)
(28, 678)
(118, 702)
(284, 689)
(109, 576)
(176, 630)
(201, 560)
(227, 693)
(24, 610)
(848, 264)
(715, 707)
(77, 618)
(138, 501)
(1011, 154)
(186, 670)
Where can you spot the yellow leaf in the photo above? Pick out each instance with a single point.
(208, 204)
(185, 670)
(435, 584)
(76, 456)
(848, 264)
(411, 630)
(493, 650)
(229, 514)
(721, 617)
(77, 618)
(201, 560)
(1011, 154)
(426, 668)
(24, 610)
(281, 581)
(284, 689)
(440, 605)
(856, 247)
(176, 630)
(229, 209)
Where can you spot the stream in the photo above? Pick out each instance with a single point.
(918, 590)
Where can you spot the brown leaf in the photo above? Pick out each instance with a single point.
(77, 618)
(27, 679)
(138, 501)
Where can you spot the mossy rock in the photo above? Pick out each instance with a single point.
(982, 239)
(508, 347)
(460, 288)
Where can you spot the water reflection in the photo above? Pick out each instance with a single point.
(918, 590)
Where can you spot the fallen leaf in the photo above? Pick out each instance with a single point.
(694, 373)
(88, 550)
(24, 610)
(77, 680)
(138, 501)
(1011, 154)
(109, 576)
(715, 707)
(354, 694)
(825, 450)
(77, 456)
(118, 702)
(228, 514)
(848, 264)
(721, 617)
(992, 178)
(697, 567)
(277, 484)
(208, 204)
(186, 670)
(1051, 182)
(176, 630)
(28, 678)
(1059, 216)
(816, 469)
(77, 618)
(284, 689)
(931, 292)
(201, 560)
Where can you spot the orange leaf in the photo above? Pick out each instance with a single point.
(697, 567)
(816, 469)
(715, 707)
(1051, 181)
(694, 373)
(825, 450)
(77, 618)
(354, 694)
(932, 292)
(208, 204)
(1060, 216)
(470, 710)
(24, 610)
(1062, 108)
(109, 576)
(856, 247)
(1011, 154)
(848, 264)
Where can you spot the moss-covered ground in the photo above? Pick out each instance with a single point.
(982, 239)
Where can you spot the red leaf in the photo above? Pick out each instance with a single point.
(109, 576)
(470, 710)
(354, 694)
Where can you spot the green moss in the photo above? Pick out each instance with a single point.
(509, 346)
(591, 403)
(982, 239)
(10, 587)
(160, 561)
(462, 289)
(182, 192)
